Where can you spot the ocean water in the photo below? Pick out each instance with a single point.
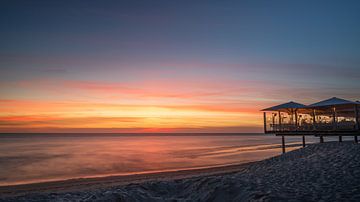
(28, 158)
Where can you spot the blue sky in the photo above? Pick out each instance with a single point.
(273, 50)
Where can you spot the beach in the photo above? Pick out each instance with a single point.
(319, 172)
(179, 101)
(34, 158)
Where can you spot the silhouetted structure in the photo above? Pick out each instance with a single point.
(331, 117)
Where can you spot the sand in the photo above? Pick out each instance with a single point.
(319, 172)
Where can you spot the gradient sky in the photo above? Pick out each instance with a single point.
(170, 66)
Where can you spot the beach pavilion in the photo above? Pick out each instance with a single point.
(331, 117)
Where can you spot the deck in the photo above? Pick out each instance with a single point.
(331, 117)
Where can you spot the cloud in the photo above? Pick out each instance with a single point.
(191, 89)
(25, 114)
(134, 131)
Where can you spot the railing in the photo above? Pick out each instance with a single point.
(290, 127)
(283, 122)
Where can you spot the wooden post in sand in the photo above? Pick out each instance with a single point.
(357, 122)
(283, 144)
(303, 140)
(340, 138)
(321, 139)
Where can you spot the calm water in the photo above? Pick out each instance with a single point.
(26, 158)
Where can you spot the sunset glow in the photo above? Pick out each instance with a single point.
(155, 108)
(169, 67)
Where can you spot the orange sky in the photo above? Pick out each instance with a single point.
(142, 105)
(63, 105)
(170, 66)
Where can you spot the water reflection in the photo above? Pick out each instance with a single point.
(34, 158)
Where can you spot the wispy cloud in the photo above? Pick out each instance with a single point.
(193, 97)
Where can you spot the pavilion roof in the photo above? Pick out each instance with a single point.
(332, 102)
(286, 106)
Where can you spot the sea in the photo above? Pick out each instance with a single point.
(32, 158)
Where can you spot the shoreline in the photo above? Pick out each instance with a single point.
(319, 172)
(134, 176)
(89, 183)
(101, 181)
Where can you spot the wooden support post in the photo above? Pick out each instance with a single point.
(273, 121)
(357, 126)
(265, 131)
(340, 138)
(314, 119)
(334, 119)
(356, 139)
(303, 141)
(296, 120)
(283, 144)
(321, 139)
(280, 121)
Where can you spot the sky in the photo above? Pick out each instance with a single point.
(170, 66)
